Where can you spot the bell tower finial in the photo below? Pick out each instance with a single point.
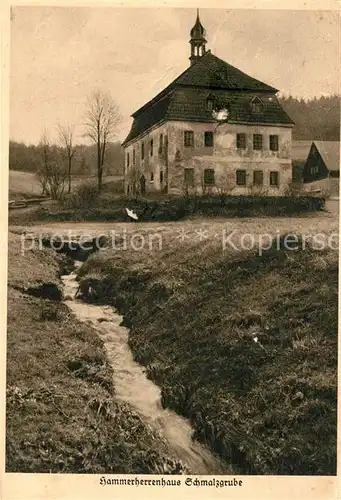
(197, 41)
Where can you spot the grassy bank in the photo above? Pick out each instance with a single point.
(242, 344)
(61, 410)
(87, 206)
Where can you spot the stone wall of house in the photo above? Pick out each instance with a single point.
(223, 157)
(152, 166)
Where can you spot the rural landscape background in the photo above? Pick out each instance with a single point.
(315, 119)
(119, 351)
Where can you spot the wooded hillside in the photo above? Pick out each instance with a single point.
(28, 158)
(315, 119)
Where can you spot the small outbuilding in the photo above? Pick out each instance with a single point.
(321, 170)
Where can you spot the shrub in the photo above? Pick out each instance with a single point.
(294, 189)
(84, 196)
(85, 205)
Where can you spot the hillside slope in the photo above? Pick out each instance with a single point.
(244, 345)
(61, 412)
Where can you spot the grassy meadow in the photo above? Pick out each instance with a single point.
(26, 184)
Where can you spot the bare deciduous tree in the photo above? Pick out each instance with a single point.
(102, 120)
(42, 170)
(66, 140)
(51, 173)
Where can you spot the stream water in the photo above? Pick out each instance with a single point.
(133, 387)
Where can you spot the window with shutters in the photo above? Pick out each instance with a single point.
(151, 147)
(142, 151)
(134, 157)
(188, 138)
(209, 176)
(257, 141)
(273, 142)
(128, 159)
(241, 177)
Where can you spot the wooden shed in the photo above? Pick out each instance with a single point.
(321, 170)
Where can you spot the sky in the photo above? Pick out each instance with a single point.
(59, 55)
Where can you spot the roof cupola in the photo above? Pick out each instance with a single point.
(198, 40)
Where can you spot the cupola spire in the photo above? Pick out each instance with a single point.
(198, 40)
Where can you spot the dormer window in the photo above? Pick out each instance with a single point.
(210, 103)
(256, 105)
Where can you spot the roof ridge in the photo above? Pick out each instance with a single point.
(208, 55)
(161, 93)
(168, 88)
(242, 72)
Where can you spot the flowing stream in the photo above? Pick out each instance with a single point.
(133, 387)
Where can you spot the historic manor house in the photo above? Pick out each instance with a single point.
(214, 128)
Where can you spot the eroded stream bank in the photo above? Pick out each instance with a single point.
(133, 387)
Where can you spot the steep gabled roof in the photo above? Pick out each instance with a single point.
(211, 72)
(184, 98)
(330, 153)
(152, 115)
(189, 104)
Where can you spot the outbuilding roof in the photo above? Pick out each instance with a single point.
(330, 152)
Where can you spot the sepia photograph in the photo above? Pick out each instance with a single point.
(173, 244)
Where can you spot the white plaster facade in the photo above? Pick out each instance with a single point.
(164, 170)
